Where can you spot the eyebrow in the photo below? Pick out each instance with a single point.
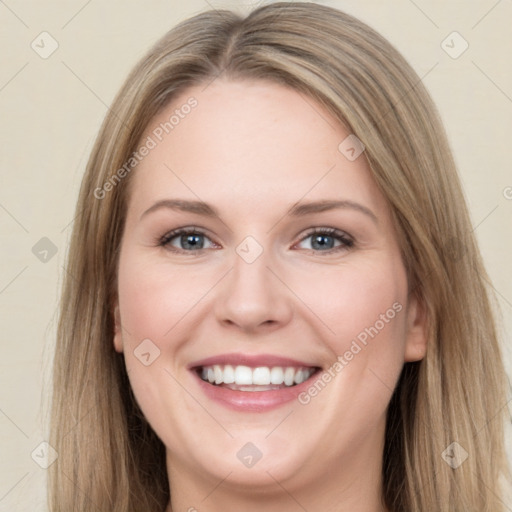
(301, 209)
(197, 207)
(297, 210)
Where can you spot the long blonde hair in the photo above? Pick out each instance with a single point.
(109, 457)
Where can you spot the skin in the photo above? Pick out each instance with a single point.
(252, 149)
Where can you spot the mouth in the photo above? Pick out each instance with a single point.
(261, 378)
(253, 383)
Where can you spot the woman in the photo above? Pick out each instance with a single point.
(274, 299)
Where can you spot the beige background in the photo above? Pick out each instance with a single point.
(52, 108)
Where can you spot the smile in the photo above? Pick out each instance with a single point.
(252, 383)
(262, 378)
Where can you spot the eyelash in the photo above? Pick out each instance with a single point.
(346, 240)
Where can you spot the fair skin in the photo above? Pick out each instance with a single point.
(253, 150)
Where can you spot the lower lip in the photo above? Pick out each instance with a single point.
(253, 401)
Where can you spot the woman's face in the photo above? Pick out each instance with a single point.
(258, 248)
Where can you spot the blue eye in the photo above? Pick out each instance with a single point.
(188, 240)
(326, 240)
(320, 240)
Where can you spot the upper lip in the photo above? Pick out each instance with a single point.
(251, 360)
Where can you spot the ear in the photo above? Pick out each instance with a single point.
(118, 341)
(416, 336)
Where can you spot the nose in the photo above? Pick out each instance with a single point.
(252, 299)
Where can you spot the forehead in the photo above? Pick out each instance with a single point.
(245, 142)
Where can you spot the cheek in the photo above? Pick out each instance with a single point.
(362, 308)
(154, 304)
(155, 298)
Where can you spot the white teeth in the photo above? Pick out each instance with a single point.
(243, 375)
(300, 376)
(229, 374)
(217, 372)
(276, 375)
(289, 374)
(263, 377)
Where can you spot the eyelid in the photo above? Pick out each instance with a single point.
(164, 241)
(180, 231)
(347, 240)
(328, 230)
